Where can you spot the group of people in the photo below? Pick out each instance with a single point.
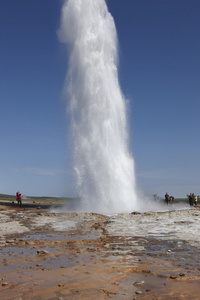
(168, 199)
(19, 198)
(193, 199)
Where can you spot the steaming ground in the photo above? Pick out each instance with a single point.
(137, 255)
(144, 204)
(170, 225)
(172, 222)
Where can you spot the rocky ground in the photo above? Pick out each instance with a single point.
(48, 253)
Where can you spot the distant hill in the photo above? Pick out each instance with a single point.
(5, 196)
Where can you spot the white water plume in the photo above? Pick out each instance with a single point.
(102, 161)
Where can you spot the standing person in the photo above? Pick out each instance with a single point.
(191, 199)
(167, 198)
(19, 198)
(195, 199)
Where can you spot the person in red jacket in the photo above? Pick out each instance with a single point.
(19, 198)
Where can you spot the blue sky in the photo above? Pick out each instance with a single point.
(159, 71)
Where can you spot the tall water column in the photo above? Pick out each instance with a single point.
(103, 165)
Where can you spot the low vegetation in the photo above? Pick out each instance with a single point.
(5, 197)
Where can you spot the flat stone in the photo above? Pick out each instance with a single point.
(4, 284)
(42, 252)
(138, 283)
(60, 284)
(10, 241)
(29, 243)
(138, 292)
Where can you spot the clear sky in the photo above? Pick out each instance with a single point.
(159, 71)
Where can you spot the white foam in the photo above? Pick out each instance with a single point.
(102, 162)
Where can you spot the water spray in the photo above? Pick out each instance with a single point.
(103, 164)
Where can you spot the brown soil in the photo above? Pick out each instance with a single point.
(87, 263)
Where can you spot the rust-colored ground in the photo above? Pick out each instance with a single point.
(87, 263)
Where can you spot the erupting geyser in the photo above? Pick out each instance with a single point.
(103, 165)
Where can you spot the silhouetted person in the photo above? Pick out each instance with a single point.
(191, 199)
(167, 198)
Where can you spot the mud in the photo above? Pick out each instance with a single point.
(91, 256)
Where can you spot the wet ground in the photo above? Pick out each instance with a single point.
(45, 254)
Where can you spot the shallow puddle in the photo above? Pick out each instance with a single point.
(85, 235)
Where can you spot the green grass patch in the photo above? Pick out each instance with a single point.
(5, 197)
